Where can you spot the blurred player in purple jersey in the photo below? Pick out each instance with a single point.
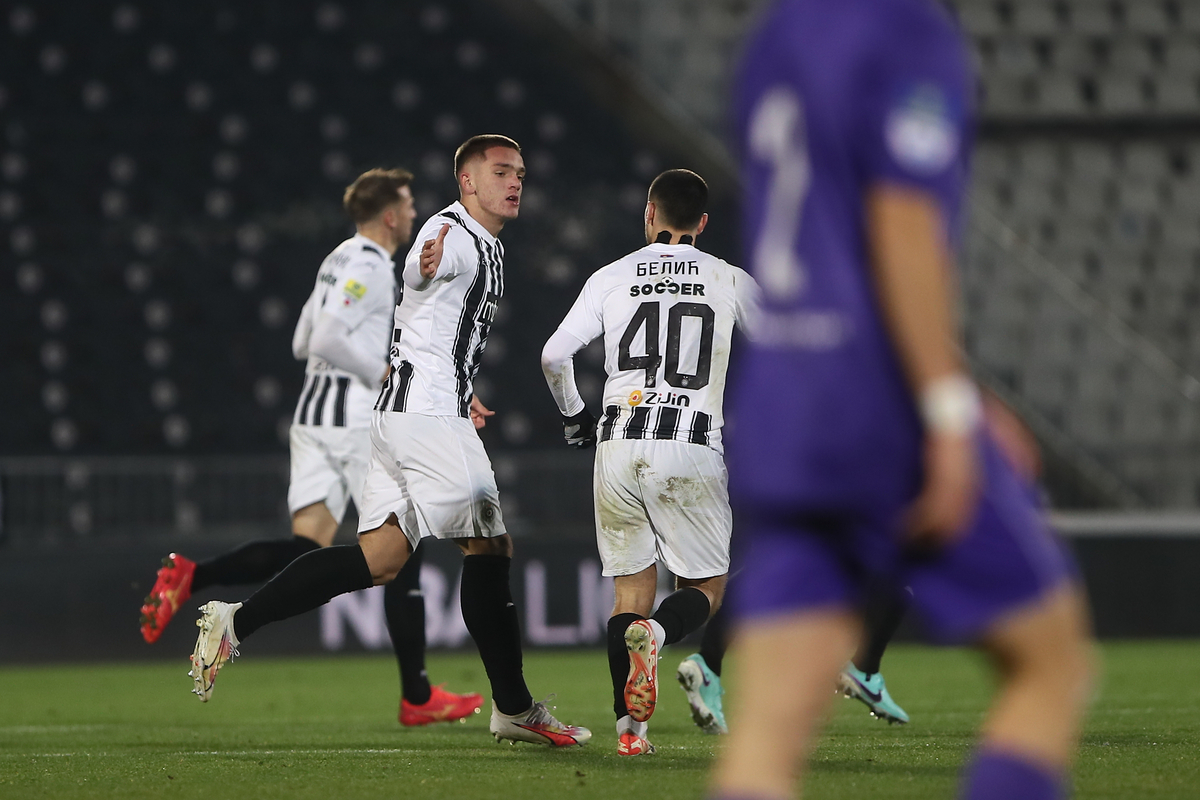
(856, 452)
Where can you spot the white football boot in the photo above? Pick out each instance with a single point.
(538, 726)
(215, 645)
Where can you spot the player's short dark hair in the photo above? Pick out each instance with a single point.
(373, 191)
(477, 146)
(681, 197)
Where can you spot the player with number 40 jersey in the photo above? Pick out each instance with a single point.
(667, 313)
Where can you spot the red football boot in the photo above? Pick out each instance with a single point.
(443, 706)
(171, 590)
(630, 744)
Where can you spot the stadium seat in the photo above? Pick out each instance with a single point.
(1035, 18)
(1145, 16)
(1090, 17)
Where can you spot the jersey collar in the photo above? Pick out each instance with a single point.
(371, 244)
(669, 248)
(472, 224)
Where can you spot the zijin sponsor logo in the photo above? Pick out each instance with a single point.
(636, 397)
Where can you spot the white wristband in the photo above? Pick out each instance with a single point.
(951, 405)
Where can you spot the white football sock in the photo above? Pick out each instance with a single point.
(660, 634)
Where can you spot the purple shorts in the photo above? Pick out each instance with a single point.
(1008, 558)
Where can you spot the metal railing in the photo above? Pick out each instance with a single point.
(1098, 392)
(51, 501)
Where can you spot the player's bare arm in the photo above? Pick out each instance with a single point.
(912, 267)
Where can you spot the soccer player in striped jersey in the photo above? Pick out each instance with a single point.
(343, 335)
(667, 313)
(429, 474)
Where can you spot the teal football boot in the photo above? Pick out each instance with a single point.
(703, 688)
(872, 691)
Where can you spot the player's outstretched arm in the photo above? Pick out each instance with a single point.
(914, 277)
(331, 342)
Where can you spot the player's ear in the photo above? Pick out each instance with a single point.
(649, 216)
(703, 223)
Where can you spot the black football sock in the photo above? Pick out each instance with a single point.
(681, 613)
(491, 618)
(404, 607)
(618, 659)
(884, 610)
(251, 563)
(712, 646)
(310, 581)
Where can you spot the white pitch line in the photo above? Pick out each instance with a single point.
(339, 752)
(53, 728)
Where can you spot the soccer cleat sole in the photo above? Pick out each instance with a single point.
(206, 666)
(172, 587)
(641, 687)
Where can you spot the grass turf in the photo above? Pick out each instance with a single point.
(326, 728)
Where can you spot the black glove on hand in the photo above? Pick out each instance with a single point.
(580, 430)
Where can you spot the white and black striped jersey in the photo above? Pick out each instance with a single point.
(442, 325)
(356, 284)
(667, 315)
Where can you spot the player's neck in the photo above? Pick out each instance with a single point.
(671, 236)
(492, 223)
(381, 236)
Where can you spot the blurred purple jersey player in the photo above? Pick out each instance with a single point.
(856, 452)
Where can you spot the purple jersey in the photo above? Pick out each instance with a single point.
(833, 98)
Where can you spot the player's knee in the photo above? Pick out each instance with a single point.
(385, 575)
(713, 588)
(384, 566)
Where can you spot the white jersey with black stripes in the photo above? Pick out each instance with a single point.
(442, 324)
(667, 314)
(357, 285)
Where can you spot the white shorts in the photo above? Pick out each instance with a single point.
(434, 475)
(663, 499)
(329, 465)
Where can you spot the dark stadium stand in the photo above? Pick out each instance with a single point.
(170, 178)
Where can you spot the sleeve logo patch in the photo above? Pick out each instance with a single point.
(354, 290)
(920, 131)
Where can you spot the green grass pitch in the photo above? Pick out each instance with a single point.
(326, 728)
